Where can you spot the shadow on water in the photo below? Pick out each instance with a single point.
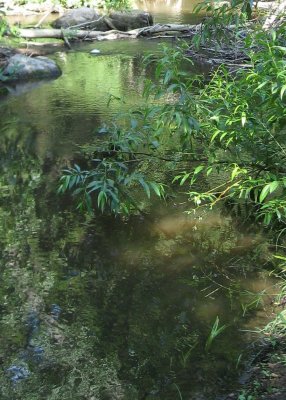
(102, 307)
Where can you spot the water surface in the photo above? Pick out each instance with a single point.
(112, 308)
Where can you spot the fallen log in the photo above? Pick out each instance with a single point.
(73, 34)
(163, 28)
(70, 34)
(80, 34)
(276, 16)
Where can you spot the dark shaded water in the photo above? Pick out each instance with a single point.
(102, 307)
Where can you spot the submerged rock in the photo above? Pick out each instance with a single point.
(32, 323)
(120, 20)
(21, 67)
(17, 373)
(56, 311)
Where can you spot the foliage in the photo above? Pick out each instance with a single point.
(112, 177)
(234, 12)
(116, 4)
(3, 24)
(109, 181)
(229, 129)
(108, 4)
(242, 122)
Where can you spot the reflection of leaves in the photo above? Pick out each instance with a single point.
(195, 281)
(185, 346)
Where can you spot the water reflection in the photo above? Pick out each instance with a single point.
(137, 297)
(18, 89)
(77, 103)
(170, 11)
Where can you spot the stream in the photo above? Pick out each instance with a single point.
(114, 308)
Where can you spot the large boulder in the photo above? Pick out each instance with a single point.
(20, 67)
(83, 15)
(128, 20)
(5, 54)
(120, 20)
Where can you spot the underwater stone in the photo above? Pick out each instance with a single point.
(37, 354)
(71, 274)
(34, 354)
(56, 311)
(18, 373)
(32, 322)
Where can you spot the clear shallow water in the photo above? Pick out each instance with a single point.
(77, 103)
(106, 308)
(91, 90)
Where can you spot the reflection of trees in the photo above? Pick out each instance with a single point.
(164, 11)
(114, 309)
(126, 309)
(157, 3)
(173, 5)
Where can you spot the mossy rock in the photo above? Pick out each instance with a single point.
(20, 68)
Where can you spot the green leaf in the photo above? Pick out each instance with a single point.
(280, 257)
(183, 180)
(217, 132)
(209, 170)
(145, 187)
(198, 169)
(273, 186)
(282, 91)
(281, 48)
(265, 191)
(168, 76)
(243, 119)
(261, 86)
(101, 200)
(158, 189)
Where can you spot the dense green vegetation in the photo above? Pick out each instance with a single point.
(223, 135)
(228, 130)
(109, 4)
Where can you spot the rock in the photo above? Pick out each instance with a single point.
(17, 373)
(5, 54)
(95, 51)
(21, 67)
(56, 311)
(128, 20)
(82, 15)
(120, 20)
(7, 51)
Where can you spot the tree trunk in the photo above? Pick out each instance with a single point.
(67, 33)
(109, 35)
